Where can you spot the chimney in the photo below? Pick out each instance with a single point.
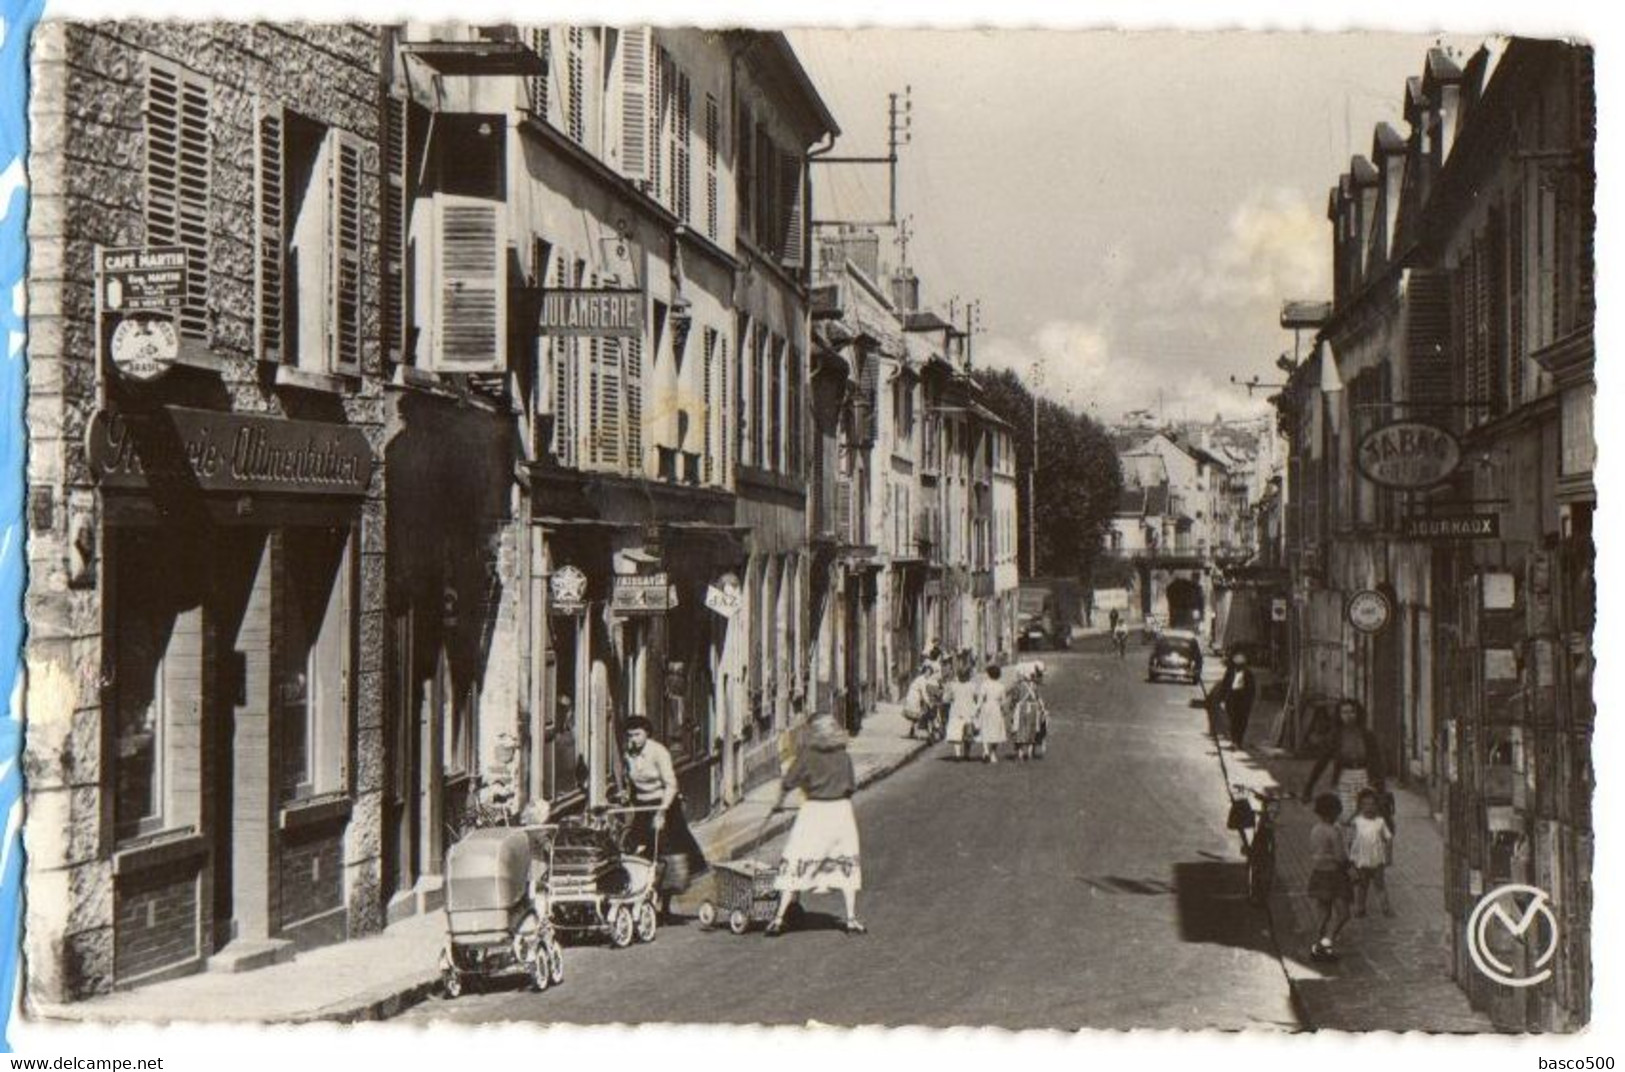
(905, 291)
(858, 245)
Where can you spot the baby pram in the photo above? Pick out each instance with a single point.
(599, 888)
(498, 918)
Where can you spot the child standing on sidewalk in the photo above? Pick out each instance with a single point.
(1371, 848)
(1328, 875)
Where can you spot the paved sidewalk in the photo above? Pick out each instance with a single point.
(1394, 973)
(376, 977)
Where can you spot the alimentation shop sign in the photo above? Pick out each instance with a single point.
(228, 452)
(1408, 455)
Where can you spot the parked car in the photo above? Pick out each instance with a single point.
(1038, 620)
(1177, 654)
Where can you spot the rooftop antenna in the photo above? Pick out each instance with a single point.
(905, 234)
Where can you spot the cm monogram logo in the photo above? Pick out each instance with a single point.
(1500, 906)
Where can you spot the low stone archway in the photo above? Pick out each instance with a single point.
(1185, 604)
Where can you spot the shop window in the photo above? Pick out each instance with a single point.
(157, 675)
(318, 602)
(309, 222)
(178, 179)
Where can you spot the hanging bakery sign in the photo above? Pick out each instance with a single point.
(616, 313)
(1408, 455)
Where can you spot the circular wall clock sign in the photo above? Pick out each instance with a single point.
(1369, 611)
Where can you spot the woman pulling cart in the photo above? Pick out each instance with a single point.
(821, 853)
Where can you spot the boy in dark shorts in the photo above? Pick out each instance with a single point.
(1328, 874)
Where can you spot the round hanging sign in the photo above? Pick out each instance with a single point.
(1369, 611)
(1408, 455)
(144, 347)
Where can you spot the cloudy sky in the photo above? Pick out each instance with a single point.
(1130, 208)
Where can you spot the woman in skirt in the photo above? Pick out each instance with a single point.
(962, 701)
(664, 828)
(821, 853)
(1354, 756)
(991, 725)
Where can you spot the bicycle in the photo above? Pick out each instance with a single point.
(1260, 848)
(1120, 642)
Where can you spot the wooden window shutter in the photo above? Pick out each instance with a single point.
(767, 194)
(576, 105)
(537, 85)
(563, 384)
(632, 350)
(393, 208)
(635, 103)
(745, 154)
(759, 400)
(346, 179)
(1516, 324)
(1496, 352)
(708, 406)
(270, 209)
(713, 190)
(724, 450)
(471, 291)
(657, 135)
(775, 403)
(178, 179)
(790, 190)
(683, 141)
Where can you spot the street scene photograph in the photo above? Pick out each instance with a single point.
(588, 524)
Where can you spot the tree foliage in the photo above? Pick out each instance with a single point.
(1078, 480)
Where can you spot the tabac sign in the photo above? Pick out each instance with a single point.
(227, 452)
(602, 313)
(1408, 455)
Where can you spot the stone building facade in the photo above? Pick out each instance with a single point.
(205, 756)
(1462, 312)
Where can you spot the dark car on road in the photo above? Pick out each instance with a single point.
(1038, 620)
(1177, 655)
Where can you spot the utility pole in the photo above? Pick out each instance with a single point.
(899, 132)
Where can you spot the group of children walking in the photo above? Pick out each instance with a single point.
(1348, 861)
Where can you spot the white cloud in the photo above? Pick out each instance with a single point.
(1274, 247)
(1074, 363)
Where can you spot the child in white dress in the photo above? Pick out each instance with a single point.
(1371, 849)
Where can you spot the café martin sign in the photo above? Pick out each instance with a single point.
(1408, 455)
